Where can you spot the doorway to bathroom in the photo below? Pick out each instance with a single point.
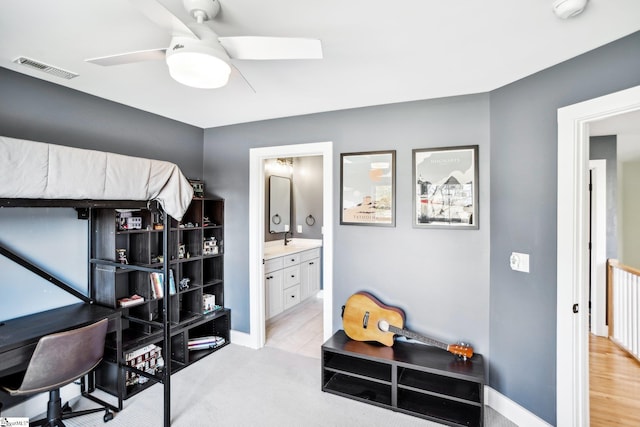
(292, 254)
(259, 159)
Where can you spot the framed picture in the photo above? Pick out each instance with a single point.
(367, 188)
(445, 182)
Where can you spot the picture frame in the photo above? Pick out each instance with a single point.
(368, 188)
(445, 187)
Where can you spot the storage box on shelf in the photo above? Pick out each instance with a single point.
(195, 258)
(415, 379)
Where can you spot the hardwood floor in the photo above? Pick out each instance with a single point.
(614, 385)
(298, 330)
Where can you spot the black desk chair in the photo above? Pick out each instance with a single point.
(58, 360)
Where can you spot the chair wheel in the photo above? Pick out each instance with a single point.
(108, 416)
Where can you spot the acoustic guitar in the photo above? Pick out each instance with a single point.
(365, 318)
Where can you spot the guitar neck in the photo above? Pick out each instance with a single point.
(418, 337)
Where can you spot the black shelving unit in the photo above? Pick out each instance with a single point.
(415, 379)
(167, 319)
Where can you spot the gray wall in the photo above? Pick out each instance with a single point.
(605, 147)
(439, 277)
(40, 111)
(523, 215)
(307, 196)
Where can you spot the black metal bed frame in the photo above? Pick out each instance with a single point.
(84, 207)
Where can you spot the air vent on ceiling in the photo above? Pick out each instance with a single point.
(54, 71)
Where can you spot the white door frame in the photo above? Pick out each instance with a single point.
(599, 247)
(257, 156)
(572, 358)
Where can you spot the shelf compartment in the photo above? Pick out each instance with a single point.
(357, 388)
(191, 238)
(446, 387)
(357, 367)
(214, 211)
(134, 338)
(441, 410)
(213, 267)
(178, 348)
(191, 269)
(193, 215)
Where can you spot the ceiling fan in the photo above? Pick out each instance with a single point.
(197, 57)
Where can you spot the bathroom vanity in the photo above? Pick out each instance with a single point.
(291, 273)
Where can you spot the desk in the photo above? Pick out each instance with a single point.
(19, 337)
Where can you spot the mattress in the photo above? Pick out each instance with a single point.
(36, 170)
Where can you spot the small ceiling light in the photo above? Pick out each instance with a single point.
(197, 64)
(567, 8)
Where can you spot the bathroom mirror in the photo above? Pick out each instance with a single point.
(279, 204)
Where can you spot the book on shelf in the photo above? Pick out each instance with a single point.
(172, 283)
(134, 299)
(157, 284)
(204, 340)
(206, 343)
(140, 352)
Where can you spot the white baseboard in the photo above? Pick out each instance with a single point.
(511, 410)
(243, 339)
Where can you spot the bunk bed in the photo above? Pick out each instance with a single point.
(36, 174)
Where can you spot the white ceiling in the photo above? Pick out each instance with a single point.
(375, 52)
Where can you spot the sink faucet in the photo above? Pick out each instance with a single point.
(285, 237)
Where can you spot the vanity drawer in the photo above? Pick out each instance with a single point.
(273, 264)
(310, 254)
(291, 296)
(291, 259)
(291, 275)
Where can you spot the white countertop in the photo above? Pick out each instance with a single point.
(277, 248)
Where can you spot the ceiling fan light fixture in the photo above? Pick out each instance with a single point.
(197, 65)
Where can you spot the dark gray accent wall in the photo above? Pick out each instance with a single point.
(307, 197)
(439, 277)
(523, 215)
(605, 147)
(53, 238)
(41, 111)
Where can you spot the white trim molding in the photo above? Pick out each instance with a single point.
(511, 410)
(572, 358)
(257, 156)
(599, 247)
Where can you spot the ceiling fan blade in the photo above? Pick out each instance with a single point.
(129, 57)
(163, 17)
(248, 47)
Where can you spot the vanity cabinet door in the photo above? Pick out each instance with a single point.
(309, 278)
(273, 284)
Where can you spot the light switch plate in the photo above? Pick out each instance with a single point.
(299, 229)
(519, 262)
